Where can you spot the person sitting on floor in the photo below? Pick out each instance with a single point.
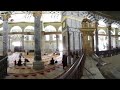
(52, 61)
(26, 60)
(19, 62)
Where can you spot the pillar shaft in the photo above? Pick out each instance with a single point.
(9, 43)
(92, 42)
(109, 36)
(37, 64)
(22, 40)
(79, 40)
(5, 34)
(96, 37)
(37, 39)
(73, 41)
(69, 57)
(57, 41)
(116, 36)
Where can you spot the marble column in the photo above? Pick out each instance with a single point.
(109, 35)
(5, 33)
(96, 37)
(9, 44)
(79, 42)
(57, 41)
(73, 41)
(116, 36)
(23, 40)
(37, 64)
(69, 57)
(92, 36)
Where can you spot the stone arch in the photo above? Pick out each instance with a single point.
(29, 29)
(50, 28)
(60, 29)
(101, 31)
(16, 29)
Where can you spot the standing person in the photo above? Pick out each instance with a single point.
(64, 61)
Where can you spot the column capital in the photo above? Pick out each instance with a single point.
(37, 13)
(5, 16)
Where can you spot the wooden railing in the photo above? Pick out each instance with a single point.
(75, 71)
(3, 67)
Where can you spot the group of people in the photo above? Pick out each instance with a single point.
(19, 63)
(52, 61)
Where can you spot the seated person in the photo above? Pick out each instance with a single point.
(52, 61)
(19, 62)
(26, 60)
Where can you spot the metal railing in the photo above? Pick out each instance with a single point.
(76, 70)
(3, 67)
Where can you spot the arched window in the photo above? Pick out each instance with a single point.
(16, 37)
(29, 29)
(29, 37)
(50, 28)
(16, 29)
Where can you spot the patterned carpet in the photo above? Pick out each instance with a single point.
(27, 72)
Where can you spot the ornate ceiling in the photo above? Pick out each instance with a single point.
(26, 16)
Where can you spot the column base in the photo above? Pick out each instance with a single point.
(38, 65)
